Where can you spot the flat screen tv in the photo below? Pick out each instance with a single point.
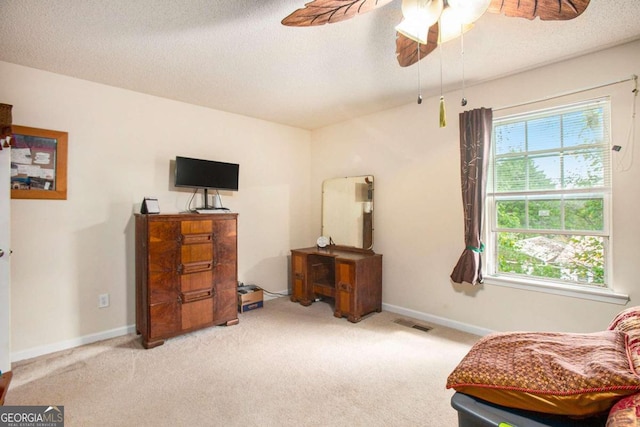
(206, 174)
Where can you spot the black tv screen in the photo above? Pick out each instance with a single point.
(199, 173)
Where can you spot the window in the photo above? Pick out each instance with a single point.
(549, 194)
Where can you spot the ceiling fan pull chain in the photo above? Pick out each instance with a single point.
(443, 114)
(463, 102)
(419, 79)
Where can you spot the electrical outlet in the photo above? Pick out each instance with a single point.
(103, 300)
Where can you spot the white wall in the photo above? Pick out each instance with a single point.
(418, 205)
(120, 147)
(121, 144)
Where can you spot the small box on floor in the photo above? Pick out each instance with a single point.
(249, 298)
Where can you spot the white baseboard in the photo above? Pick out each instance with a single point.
(281, 294)
(75, 342)
(442, 321)
(88, 339)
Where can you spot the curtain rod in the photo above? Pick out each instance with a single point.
(560, 95)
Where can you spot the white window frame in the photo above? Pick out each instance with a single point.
(553, 286)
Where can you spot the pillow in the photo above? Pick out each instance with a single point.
(625, 413)
(555, 373)
(627, 320)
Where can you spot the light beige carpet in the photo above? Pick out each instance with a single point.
(282, 365)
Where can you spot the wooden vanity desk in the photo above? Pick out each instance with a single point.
(351, 276)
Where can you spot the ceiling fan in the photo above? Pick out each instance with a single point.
(423, 26)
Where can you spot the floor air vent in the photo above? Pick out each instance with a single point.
(411, 324)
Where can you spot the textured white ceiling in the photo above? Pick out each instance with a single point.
(235, 56)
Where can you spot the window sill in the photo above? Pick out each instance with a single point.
(602, 295)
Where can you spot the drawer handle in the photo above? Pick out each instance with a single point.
(191, 296)
(187, 239)
(195, 267)
(345, 287)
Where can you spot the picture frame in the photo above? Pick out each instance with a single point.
(38, 163)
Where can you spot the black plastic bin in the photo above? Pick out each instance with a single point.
(474, 412)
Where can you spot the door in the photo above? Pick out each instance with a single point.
(299, 278)
(225, 272)
(345, 289)
(164, 282)
(5, 273)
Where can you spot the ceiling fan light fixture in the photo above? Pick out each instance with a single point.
(419, 15)
(451, 26)
(423, 30)
(413, 30)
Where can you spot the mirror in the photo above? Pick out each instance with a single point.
(347, 211)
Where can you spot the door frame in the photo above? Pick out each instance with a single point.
(5, 264)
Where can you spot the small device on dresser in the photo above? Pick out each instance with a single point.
(150, 205)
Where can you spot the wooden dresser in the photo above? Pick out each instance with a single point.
(352, 277)
(186, 274)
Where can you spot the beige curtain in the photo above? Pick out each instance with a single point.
(475, 142)
(5, 122)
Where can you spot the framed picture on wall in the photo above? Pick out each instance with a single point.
(38, 163)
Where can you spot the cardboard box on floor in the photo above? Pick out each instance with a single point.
(250, 301)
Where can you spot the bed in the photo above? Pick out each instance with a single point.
(535, 379)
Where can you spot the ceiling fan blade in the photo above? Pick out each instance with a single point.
(320, 12)
(546, 10)
(407, 49)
